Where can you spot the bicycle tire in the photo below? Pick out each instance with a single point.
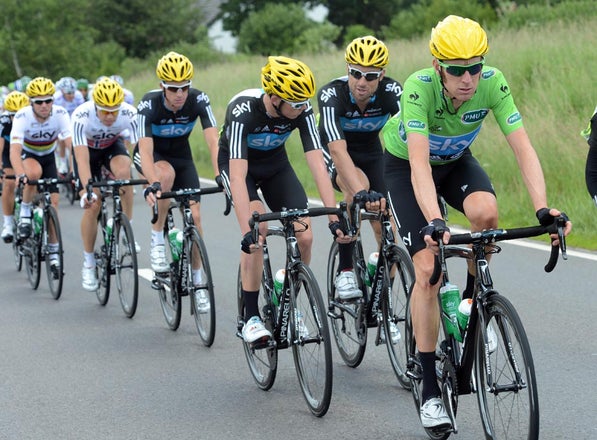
(56, 274)
(349, 325)
(32, 251)
(16, 250)
(521, 420)
(205, 320)
(415, 372)
(263, 362)
(170, 299)
(393, 309)
(126, 269)
(103, 267)
(311, 344)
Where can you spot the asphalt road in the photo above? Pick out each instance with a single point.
(72, 369)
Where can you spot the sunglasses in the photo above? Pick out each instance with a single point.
(296, 105)
(459, 70)
(42, 101)
(175, 89)
(369, 76)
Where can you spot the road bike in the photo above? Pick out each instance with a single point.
(494, 359)
(45, 241)
(116, 255)
(295, 318)
(187, 254)
(383, 302)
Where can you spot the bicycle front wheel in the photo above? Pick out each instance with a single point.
(203, 306)
(311, 345)
(124, 261)
(54, 260)
(16, 250)
(347, 320)
(32, 250)
(399, 281)
(263, 362)
(505, 374)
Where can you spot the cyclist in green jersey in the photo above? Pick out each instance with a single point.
(428, 153)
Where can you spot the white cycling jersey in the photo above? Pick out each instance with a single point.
(70, 106)
(36, 137)
(88, 129)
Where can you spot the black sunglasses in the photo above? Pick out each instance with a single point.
(369, 76)
(459, 70)
(42, 101)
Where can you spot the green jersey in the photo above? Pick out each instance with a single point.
(425, 110)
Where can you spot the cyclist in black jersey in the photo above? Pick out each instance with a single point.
(428, 153)
(13, 102)
(163, 155)
(252, 156)
(590, 134)
(352, 110)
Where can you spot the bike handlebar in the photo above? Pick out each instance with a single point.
(188, 193)
(495, 235)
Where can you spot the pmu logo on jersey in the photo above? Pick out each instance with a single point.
(474, 116)
(514, 118)
(417, 125)
(144, 104)
(240, 108)
(326, 94)
(424, 78)
(488, 74)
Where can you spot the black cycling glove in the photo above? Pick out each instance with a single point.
(153, 188)
(544, 217)
(247, 241)
(435, 229)
(335, 226)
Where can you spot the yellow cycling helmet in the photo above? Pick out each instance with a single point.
(107, 93)
(174, 67)
(367, 51)
(288, 78)
(40, 86)
(458, 38)
(15, 101)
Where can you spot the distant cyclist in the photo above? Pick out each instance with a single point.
(352, 110)
(70, 98)
(97, 142)
(428, 153)
(590, 134)
(35, 131)
(13, 102)
(163, 155)
(253, 157)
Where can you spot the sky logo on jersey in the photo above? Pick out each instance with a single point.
(266, 141)
(239, 109)
(202, 97)
(417, 125)
(394, 88)
(513, 119)
(474, 116)
(144, 104)
(326, 94)
(424, 78)
(450, 147)
(364, 124)
(171, 131)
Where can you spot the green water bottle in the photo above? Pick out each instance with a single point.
(278, 286)
(371, 268)
(109, 226)
(175, 239)
(38, 216)
(450, 299)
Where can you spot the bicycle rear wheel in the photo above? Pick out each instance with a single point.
(32, 251)
(311, 345)
(203, 305)
(400, 278)
(348, 322)
(124, 261)
(263, 362)
(505, 375)
(55, 271)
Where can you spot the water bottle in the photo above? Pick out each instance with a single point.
(38, 215)
(278, 286)
(109, 226)
(17, 213)
(371, 268)
(175, 239)
(464, 312)
(450, 298)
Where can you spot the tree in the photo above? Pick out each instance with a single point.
(284, 29)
